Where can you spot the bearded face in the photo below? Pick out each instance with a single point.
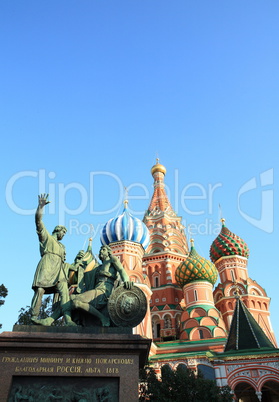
(127, 305)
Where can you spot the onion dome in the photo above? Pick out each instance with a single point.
(195, 268)
(125, 227)
(227, 244)
(158, 168)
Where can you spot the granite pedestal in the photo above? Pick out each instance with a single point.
(71, 364)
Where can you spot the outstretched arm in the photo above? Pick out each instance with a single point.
(43, 200)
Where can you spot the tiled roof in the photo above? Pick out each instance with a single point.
(245, 333)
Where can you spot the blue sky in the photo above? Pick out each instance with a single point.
(91, 92)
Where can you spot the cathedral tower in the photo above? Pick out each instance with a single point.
(230, 255)
(128, 238)
(166, 250)
(200, 319)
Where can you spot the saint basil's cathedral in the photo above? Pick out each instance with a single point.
(225, 332)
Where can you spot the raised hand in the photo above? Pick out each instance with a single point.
(43, 200)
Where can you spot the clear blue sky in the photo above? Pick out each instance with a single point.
(91, 92)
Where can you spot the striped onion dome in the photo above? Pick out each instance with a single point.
(195, 268)
(125, 227)
(227, 244)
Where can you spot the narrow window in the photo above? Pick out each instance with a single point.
(158, 330)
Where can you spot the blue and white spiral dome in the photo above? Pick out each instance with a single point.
(125, 227)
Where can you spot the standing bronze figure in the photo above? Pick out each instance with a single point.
(50, 276)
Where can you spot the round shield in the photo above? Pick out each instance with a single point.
(127, 307)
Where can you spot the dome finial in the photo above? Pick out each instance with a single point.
(192, 242)
(158, 167)
(125, 202)
(221, 216)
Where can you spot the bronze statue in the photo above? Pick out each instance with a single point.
(50, 276)
(99, 284)
(93, 284)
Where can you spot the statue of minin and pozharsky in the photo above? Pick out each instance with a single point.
(85, 292)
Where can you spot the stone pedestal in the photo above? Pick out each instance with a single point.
(71, 364)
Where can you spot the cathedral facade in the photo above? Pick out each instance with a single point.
(224, 331)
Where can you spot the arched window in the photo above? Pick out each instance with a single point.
(195, 295)
(201, 334)
(232, 275)
(156, 282)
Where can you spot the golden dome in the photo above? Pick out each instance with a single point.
(158, 168)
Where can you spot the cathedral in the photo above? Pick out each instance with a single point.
(224, 331)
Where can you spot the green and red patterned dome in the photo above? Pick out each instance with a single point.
(195, 268)
(228, 244)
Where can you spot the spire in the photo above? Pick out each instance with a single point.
(166, 229)
(245, 332)
(88, 256)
